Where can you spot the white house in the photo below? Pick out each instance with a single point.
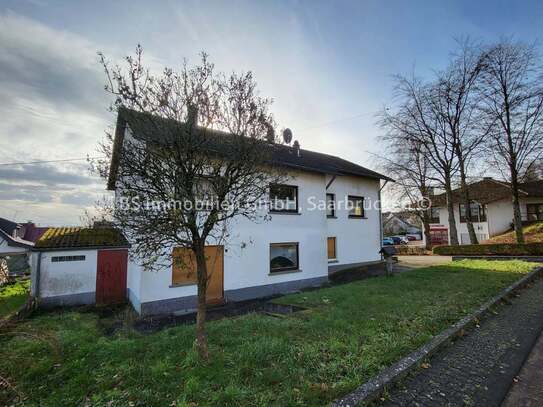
(491, 210)
(12, 239)
(297, 248)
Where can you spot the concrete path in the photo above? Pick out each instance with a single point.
(527, 388)
(478, 369)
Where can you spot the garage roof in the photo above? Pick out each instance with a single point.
(80, 238)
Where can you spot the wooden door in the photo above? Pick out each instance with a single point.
(111, 276)
(215, 270)
(184, 270)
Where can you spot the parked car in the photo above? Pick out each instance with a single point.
(387, 241)
(398, 240)
(411, 237)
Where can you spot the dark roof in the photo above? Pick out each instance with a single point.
(77, 237)
(8, 226)
(489, 190)
(7, 229)
(533, 188)
(148, 127)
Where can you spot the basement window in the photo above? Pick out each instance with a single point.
(56, 259)
(283, 257)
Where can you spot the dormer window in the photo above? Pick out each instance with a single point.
(283, 198)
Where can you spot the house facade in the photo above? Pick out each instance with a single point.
(297, 247)
(491, 210)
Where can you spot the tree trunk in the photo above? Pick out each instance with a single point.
(466, 200)
(426, 226)
(453, 232)
(201, 334)
(517, 218)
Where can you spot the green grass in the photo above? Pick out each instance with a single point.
(349, 333)
(12, 297)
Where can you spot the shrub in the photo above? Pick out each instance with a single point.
(528, 249)
(412, 251)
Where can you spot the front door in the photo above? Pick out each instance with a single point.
(111, 276)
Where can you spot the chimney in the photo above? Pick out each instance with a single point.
(270, 134)
(296, 147)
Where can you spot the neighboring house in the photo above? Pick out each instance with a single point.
(395, 223)
(77, 266)
(12, 238)
(297, 248)
(491, 210)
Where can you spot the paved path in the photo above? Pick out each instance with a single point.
(478, 369)
(527, 389)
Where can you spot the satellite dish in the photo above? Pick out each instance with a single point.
(287, 135)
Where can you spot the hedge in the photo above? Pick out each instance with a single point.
(502, 249)
(412, 251)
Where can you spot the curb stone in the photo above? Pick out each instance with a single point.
(374, 387)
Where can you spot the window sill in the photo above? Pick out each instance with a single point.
(181, 285)
(357, 217)
(332, 261)
(284, 213)
(331, 217)
(275, 273)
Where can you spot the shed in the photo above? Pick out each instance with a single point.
(80, 266)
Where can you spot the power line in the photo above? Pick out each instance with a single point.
(49, 161)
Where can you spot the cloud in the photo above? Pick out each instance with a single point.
(44, 174)
(53, 107)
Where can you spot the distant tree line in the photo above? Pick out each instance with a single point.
(483, 111)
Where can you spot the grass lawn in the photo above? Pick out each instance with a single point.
(12, 297)
(349, 333)
(532, 234)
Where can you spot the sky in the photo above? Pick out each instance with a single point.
(328, 66)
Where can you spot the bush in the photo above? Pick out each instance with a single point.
(528, 249)
(412, 251)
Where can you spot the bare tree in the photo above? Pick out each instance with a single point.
(456, 102)
(407, 163)
(512, 94)
(420, 115)
(198, 154)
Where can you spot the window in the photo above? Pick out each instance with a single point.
(477, 213)
(331, 243)
(434, 215)
(356, 206)
(183, 266)
(56, 259)
(535, 211)
(284, 198)
(330, 206)
(283, 256)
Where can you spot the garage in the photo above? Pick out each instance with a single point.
(80, 266)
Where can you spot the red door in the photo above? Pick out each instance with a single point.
(111, 277)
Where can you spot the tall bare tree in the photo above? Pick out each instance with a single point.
(197, 155)
(512, 93)
(407, 163)
(420, 114)
(456, 101)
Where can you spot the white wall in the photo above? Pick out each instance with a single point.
(247, 253)
(500, 216)
(357, 240)
(67, 277)
(481, 228)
